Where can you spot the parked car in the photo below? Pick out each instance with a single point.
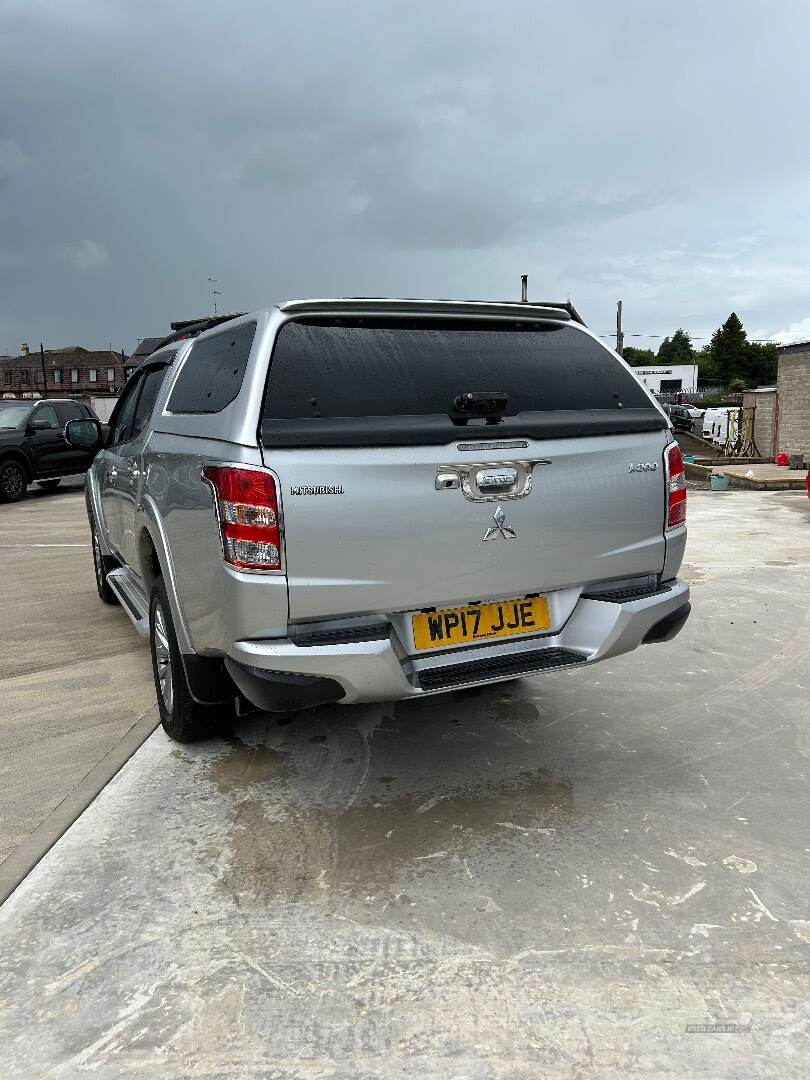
(33, 447)
(680, 417)
(367, 500)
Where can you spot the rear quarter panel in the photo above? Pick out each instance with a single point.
(218, 605)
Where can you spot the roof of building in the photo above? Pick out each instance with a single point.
(69, 351)
(146, 346)
(794, 346)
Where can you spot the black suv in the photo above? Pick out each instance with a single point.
(33, 447)
(681, 418)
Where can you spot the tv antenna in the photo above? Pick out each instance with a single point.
(214, 291)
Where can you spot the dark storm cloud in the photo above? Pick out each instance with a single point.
(652, 152)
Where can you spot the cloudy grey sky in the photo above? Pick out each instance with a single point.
(652, 151)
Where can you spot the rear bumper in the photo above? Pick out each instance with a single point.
(380, 670)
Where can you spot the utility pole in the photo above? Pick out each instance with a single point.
(524, 288)
(214, 291)
(619, 331)
(44, 380)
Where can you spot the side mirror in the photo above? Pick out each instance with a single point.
(84, 434)
(40, 425)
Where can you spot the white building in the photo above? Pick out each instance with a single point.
(668, 380)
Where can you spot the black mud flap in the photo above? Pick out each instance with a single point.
(208, 681)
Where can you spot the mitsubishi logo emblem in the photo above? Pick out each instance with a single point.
(501, 528)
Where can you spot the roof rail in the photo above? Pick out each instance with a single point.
(404, 306)
(188, 328)
(205, 323)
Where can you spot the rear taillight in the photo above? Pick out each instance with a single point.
(676, 486)
(247, 511)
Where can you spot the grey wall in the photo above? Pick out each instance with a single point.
(793, 388)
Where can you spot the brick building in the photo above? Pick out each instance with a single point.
(793, 399)
(67, 373)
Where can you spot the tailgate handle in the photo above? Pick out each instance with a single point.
(489, 481)
(496, 479)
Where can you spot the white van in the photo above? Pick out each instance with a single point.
(708, 419)
(715, 424)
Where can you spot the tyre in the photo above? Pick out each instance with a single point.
(13, 481)
(183, 718)
(49, 485)
(102, 565)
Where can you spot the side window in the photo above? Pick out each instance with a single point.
(213, 371)
(150, 388)
(121, 417)
(45, 417)
(69, 411)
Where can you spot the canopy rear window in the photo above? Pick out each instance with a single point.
(329, 375)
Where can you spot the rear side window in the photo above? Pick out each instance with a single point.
(396, 367)
(213, 371)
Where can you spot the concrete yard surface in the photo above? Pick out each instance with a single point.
(74, 676)
(553, 877)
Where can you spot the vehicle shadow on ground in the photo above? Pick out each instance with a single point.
(66, 487)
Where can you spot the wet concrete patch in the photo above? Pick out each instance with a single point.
(244, 765)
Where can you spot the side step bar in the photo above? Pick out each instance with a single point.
(129, 590)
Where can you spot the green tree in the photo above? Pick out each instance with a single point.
(677, 349)
(729, 349)
(639, 357)
(707, 372)
(762, 362)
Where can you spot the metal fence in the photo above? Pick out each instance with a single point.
(697, 397)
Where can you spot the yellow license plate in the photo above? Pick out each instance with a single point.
(480, 622)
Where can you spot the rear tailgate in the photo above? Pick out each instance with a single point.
(389, 512)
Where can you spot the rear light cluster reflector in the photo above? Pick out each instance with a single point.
(247, 511)
(676, 487)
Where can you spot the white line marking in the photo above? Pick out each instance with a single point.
(43, 545)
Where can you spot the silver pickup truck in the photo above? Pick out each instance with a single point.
(365, 500)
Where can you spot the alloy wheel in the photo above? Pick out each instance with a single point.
(98, 565)
(12, 481)
(163, 659)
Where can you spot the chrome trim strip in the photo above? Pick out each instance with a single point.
(468, 477)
